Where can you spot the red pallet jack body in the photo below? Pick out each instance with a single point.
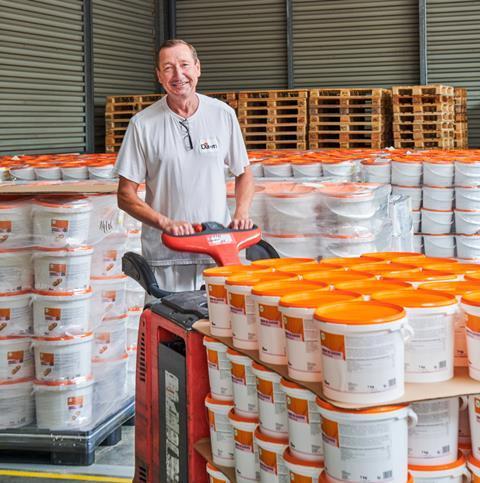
(172, 374)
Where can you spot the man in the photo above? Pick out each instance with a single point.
(179, 147)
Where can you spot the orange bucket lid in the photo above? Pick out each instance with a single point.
(460, 461)
(473, 461)
(423, 261)
(360, 313)
(342, 262)
(268, 439)
(332, 277)
(300, 268)
(367, 287)
(472, 298)
(229, 270)
(279, 262)
(285, 287)
(254, 278)
(418, 276)
(472, 276)
(381, 267)
(289, 458)
(346, 190)
(453, 288)
(241, 419)
(315, 298)
(458, 268)
(419, 298)
(377, 409)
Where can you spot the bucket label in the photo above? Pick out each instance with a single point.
(110, 255)
(330, 432)
(243, 440)
(297, 409)
(4, 315)
(293, 328)
(237, 303)
(5, 228)
(473, 323)
(109, 296)
(47, 362)
(217, 294)
(52, 314)
(75, 403)
(212, 358)
(238, 374)
(268, 461)
(333, 345)
(15, 357)
(477, 408)
(270, 316)
(102, 341)
(265, 390)
(59, 227)
(57, 269)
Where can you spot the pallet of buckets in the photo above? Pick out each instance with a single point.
(68, 326)
(274, 119)
(119, 110)
(349, 118)
(424, 116)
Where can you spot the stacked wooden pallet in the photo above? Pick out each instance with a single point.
(119, 110)
(273, 119)
(424, 117)
(461, 119)
(349, 118)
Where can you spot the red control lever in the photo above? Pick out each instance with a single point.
(213, 239)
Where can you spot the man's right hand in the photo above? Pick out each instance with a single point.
(175, 227)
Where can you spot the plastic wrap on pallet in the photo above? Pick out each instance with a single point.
(402, 223)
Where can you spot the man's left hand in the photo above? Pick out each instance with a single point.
(241, 222)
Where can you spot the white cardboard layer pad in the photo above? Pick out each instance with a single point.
(461, 383)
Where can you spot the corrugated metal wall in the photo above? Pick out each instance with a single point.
(42, 76)
(241, 44)
(123, 53)
(453, 45)
(355, 43)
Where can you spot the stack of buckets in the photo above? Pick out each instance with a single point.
(362, 328)
(68, 302)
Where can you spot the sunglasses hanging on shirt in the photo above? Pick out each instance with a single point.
(187, 139)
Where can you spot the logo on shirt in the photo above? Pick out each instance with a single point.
(208, 145)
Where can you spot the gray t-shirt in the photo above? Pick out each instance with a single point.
(182, 183)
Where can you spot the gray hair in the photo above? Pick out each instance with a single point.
(174, 42)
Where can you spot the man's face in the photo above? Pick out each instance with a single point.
(177, 71)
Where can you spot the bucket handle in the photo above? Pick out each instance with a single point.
(467, 475)
(463, 403)
(412, 418)
(407, 332)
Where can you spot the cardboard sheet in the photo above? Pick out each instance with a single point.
(58, 187)
(203, 447)
(460, 384)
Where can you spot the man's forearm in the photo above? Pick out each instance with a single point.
(134, 206)
(244, 191)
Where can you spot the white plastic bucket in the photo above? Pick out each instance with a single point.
(62, 269)
(134, 241)
(61, 220)
(344, 170)
(219, 370)
(15, 313)
(247, 467)
(418, 243)
(436, 198)
(23, 172)
(439, 245)
(434, 439)
(307, 169)
(305, 440)
(215, 476)
(331, 246)
(270, 455)
(64, 405)
(467, 198)
(407, 174)
(358, 338)
(103, 172)
(467, 174)
(221, 431)
(304, 353)
(292, 246)
(302, 470)
(438, 174)
(416, 218)
(257, 169)
(135, 297)
(48, 173)
(376, 172)
(474, 418)
(110, 338)
(366, 445)
(455, 472)
(110, 389)
(109, 297)
(277, 170)
(244, 384)
(471, 306)
(61, 313)
(272, 402)
(107, 255)
(74, 172)
(63, 358)
(467, 222)
(468, 247)
(429, 354)
(17, 407)
(133, 325)
(16, 272)
(16, 358)
(464, 433)
(437, 222)
(15, 223)
(414, 192)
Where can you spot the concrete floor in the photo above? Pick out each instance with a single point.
(113, 464)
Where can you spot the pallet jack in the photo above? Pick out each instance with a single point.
(172, 374)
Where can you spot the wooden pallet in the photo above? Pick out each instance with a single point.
(461, 118)
(430, 90)
(273, 94)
